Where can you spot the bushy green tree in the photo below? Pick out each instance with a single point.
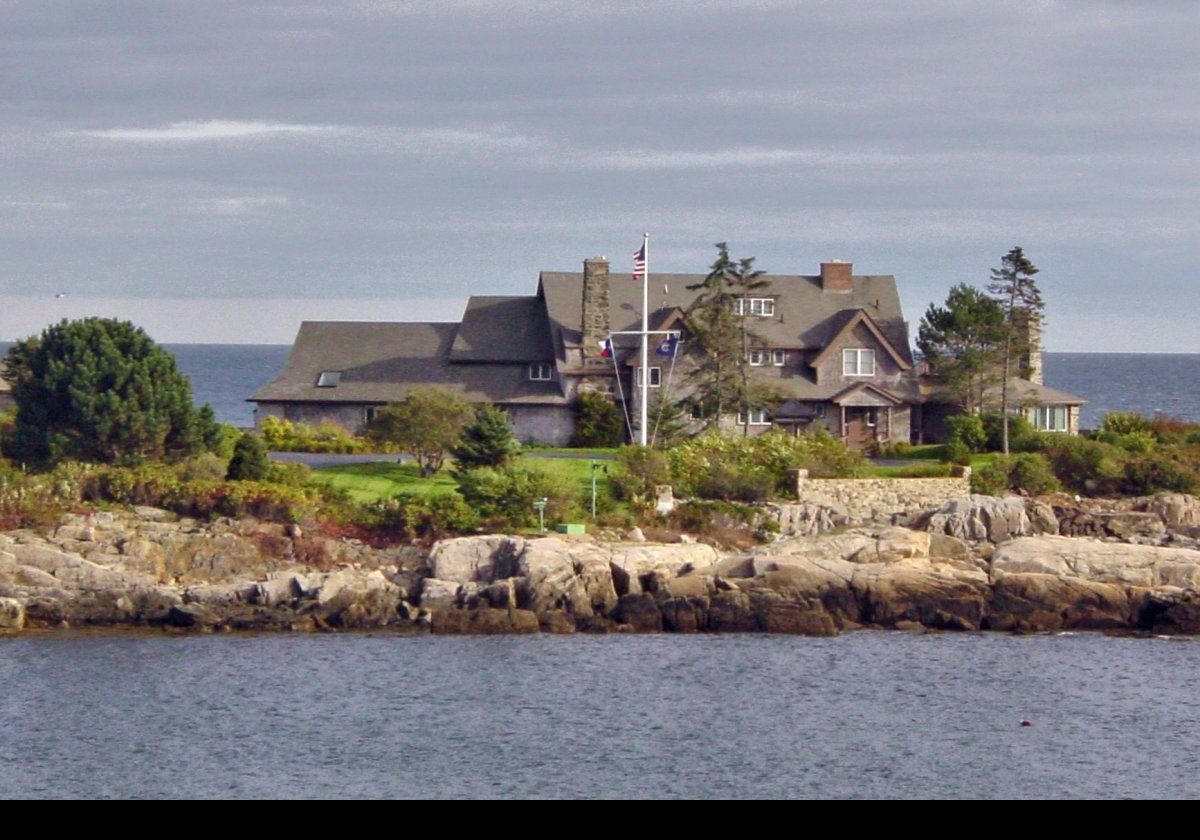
(597, 421)
(249, 461)
(426, 425)
(487, 441)
(100, 390)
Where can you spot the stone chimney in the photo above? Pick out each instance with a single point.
(595, 311)
(1031, 361)
(835, 276)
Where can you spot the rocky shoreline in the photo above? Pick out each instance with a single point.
(975, 563)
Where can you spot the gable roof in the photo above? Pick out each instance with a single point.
(806, 316)
(503, 329)
(854, 319)
(380, 362)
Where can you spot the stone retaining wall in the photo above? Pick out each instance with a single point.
(879, 499)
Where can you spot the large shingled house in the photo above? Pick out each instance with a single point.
(834, 347)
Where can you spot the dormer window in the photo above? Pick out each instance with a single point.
(761, 307)
(541, 372)
(329, 378)
(858, 362)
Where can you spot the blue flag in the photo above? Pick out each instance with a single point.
(667, 348)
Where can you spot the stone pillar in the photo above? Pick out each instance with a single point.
(596, 326)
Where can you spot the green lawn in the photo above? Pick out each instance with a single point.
(384, 479)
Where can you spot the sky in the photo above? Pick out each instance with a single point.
(220, 171)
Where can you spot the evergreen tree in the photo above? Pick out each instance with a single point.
(99, 390)
(249, 461)
(722, 328)
(487, 441)
(1013, 288)
(962, 342)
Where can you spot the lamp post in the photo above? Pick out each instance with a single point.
(540, 505)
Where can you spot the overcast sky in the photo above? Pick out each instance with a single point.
(219, 171)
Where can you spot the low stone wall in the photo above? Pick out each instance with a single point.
(879, 499)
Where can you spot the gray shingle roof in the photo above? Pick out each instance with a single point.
(503, 329)
(380, 362)
(806, 316)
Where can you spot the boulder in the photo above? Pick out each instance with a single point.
(805, 519)
(482, 559)
(12, 614)
(1106, 562)
(1039, 602)
(483, 621)
(1176, 510)
(977, 518)
(439, 594)
(888, 595)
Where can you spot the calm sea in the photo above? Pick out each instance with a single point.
(868, 714)
(225, 375)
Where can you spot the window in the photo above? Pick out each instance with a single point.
(1048, 418)
(753, 417)
(778, 357)
(762, 307)
(369, 413)
(858, 362)
(757, 357)
(655, 377)
(329, 378)
(541, 372)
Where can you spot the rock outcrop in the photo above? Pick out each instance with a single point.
(975, 563)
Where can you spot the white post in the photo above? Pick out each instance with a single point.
(644, 419)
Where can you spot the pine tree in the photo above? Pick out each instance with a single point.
(487, 441)
(962, 343)
(720, 325)
(249, 461)
(1013, 288)
(99, 390)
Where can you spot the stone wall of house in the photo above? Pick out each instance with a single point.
(551, 425)
(866, 499)
(351, 417)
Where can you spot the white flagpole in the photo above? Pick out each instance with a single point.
(644, 420)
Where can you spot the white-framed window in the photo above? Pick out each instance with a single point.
(329, 378)
(541, 372)
(757, 357)
(754, 417)
(655, 377)
(857, 361)
(1048, 418)
(762, 307)
(369, 413)
(779, 358)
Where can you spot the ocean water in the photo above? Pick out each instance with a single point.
(867, 714)
(225, 375)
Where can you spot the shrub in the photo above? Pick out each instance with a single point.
(639, 470)
(249, 461)
(1022, 437)
(957, 452)
(420, 517)
(1160, 472)
(735, 482)
(598, 421)
(1124, 423)
(506, 495)
(967, 430)
(286, 436)
(1083, 465)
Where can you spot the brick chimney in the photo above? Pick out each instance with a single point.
(595, 311)
(835, 276)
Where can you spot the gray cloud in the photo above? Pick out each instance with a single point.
(376, 150)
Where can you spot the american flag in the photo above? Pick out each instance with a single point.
(639, 263)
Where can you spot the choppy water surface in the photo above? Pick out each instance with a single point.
(869, 714)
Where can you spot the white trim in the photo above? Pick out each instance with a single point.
(756, 358)
(779, 358)
(858, 361)
(763, 307)
(541, 372)
(655, 377)
(757, 417)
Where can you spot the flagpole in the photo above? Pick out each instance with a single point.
(644, 419)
